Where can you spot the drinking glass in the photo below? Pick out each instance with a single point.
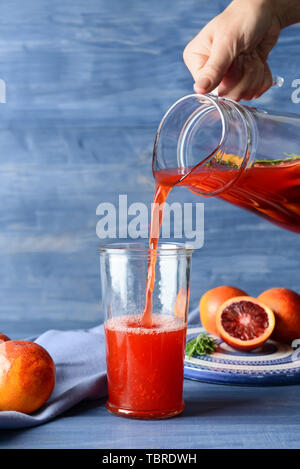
(145, 364)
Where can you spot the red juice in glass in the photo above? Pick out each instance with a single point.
(145, 365)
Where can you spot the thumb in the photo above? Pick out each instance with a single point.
(218, 63)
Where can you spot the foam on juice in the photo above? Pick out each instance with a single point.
(132, 323)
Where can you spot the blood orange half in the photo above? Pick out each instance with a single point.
(244, 322)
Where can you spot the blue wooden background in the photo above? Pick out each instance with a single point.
(87, 84)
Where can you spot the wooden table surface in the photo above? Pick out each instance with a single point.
(215, 417)
(87, 84)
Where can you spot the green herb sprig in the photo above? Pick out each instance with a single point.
(292, 157)
(230, 163)
(203, 344)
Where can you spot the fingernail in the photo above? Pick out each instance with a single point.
(203, 83)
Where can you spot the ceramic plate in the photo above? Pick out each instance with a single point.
(272, 364)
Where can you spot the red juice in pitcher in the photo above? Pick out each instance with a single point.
(269, 190)
(247, 156)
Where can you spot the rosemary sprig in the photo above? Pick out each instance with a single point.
(203, 344)
(230, 161)
(292, 157)
(229, 164)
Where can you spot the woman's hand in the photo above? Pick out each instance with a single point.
(231, 51)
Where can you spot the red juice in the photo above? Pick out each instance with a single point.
(145, 352)
(145, 366)
(160, 195)
(269, 190)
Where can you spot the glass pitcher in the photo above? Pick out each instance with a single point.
(247, 156)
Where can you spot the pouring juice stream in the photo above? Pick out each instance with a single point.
(161, 192)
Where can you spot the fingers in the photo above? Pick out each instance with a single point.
(196, 53)
(194, 60)
(248, 78)
(214, 69)
(209, 55)
(267, 81)
(232, 78)
(217, 57)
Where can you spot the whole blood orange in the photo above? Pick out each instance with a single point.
(286, 307)
(210, 302)
(27, 376)
(244, 322)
